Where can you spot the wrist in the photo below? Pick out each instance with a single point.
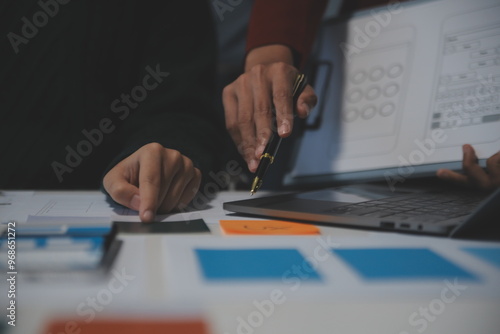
(269, 54)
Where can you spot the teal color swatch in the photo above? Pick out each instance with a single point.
(254, 264)
(378, 264)
(488, 254)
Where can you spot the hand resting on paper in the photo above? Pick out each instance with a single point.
(153, 179)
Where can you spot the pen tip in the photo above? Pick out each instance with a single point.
(255, 185)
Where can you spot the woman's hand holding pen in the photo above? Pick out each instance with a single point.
(248, 101)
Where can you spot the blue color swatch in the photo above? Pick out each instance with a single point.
(63, 230)
(377, 264)
(490, 255)
(254, 264)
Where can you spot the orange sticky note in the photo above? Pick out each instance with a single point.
(267, 227)
(127, 326)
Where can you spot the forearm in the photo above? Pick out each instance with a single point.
(290, 23)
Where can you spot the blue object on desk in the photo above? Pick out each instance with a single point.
(254, 264)
(377, 264)
(62, 230)
(488, 254)
(56, 243)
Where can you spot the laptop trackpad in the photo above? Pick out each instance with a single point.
(348, 194)
(327, 199)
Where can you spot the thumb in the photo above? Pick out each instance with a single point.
(306, 102)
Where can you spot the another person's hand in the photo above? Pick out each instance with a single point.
(248, 101)
(474, 174)
(153, 179)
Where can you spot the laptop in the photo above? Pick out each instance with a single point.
(400, 91)
(458, 213)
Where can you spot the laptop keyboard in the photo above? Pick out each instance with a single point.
(422, 207)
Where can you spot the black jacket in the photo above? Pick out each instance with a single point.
(83, 84)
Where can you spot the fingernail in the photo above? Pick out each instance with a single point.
(253, 165)
(284, 128)
(135, 203)
(466, 149)
(307, 108)
(260, 150)
(264, 139)
(148, 216)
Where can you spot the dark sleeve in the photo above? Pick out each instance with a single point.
(293, 23)
(178, 58)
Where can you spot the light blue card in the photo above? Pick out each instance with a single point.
(488, 254)
(378, 264)
(254, 264)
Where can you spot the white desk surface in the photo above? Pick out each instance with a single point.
(163, 281)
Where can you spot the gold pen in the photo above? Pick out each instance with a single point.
(267, 157)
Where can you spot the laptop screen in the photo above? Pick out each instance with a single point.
(401, 88)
